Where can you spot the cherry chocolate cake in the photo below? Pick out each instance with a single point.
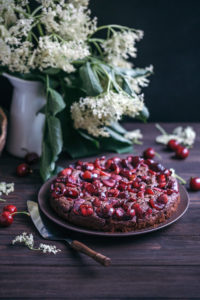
(115, 194)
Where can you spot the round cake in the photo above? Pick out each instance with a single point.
(115, 194)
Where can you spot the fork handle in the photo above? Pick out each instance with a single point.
(100, 258)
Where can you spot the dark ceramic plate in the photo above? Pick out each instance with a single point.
(50, 214)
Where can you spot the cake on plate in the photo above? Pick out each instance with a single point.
(115, 194)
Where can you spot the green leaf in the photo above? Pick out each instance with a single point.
(134, 72)
(46, 164)
(116, 143)
(118, 128)
(55, 136)
(144, 114)
(55, 102)
(89, 137)
(78, 145)
(90, 80)
(127, 88)
(51, 71)
(118, 137)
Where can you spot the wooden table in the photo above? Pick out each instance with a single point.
(164, 264)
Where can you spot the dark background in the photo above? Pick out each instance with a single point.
(171, 43)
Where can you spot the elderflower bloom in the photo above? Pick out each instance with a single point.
(6, 188)
(59, 54)
(71, 20)
(94, 113)
(121, 45)
(28, 241)
(185, 136)
(134, 135)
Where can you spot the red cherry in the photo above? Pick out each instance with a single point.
(195, 183)
(109, 182)
(6, 219)
(182, 152)
(138, 210)
(88, 166)
(173, 144)
(31, 158)
(163, 199)
(119, 213)
(10, 208)
(87, 175)
(149, 153)
(23, 170)
(65, 172)
(149, 191)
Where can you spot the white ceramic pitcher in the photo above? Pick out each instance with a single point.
(25, 122)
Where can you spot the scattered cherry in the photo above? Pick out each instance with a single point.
(195, 183)
(173, 144)
(182, 152)
(10, 208)
(149, 153)
(31, 158)
(23, 170)
(6, 219)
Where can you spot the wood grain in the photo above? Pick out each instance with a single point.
(160, 265)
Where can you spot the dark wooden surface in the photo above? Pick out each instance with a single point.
(163, 264)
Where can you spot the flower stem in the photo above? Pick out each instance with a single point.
(2, 200)
(161, 129)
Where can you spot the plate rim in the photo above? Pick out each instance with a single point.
(51, 215)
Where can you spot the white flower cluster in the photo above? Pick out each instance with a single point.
(71, 20)
(134, 136)
(28, 240)
(120, 46)
(6, 188)
(94, 113)
(185, 136)
(59, 55)
(140, 81)
(65, 29)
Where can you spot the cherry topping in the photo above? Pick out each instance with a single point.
(109, 182)
(138, 210)
(6, 219)
(86, 210)
(163, 199)
(23, 170)
(65, 172)
(119, 213)
(149, 191)
(71, 192)
(149, 153)
(31, 158)
(87, 175)
(173, 145)
(182, 152)
(157, 167)
(136, 160)
(88, 166)
(149, 161)
(10, 208)
(131, 212)
(113, 193)
(195, 183)
(108, 211)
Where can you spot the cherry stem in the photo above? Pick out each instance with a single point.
(182, 181)
(158, 155)
(20, 212)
